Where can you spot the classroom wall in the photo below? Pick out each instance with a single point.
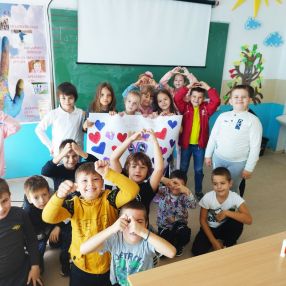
(25, 154)
(274, 73)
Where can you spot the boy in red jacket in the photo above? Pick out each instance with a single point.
(194, 137)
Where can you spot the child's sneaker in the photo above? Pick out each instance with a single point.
(179, 251)
(199, 196)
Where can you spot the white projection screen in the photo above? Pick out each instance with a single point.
(143, 32)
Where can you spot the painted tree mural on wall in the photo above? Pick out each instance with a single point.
(247, 71)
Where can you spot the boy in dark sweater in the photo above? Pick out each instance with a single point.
(16, 233)
(38, 194)
(63, 166)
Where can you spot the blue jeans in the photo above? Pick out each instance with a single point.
(198, 155)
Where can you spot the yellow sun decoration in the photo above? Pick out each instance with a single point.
(256, 5)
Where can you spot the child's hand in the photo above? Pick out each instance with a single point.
(208, 162)
(176, 70)
(217, 245)
(136, 135)
(122, 113)
(55, 234)
(77, 149)
(204, 85)
(185, 71)
(139, 82)
(87, 124)
(120, 224)
(246, 174)
(221, 216)
(34, 276)
(101, 167)
(66, 149)
(152, 134)
(135, 227)
(67, 187)
(112, 113)
(166, 113)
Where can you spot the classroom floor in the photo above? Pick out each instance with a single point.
(265, 196)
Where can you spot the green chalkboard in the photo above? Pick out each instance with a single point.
(87, 76)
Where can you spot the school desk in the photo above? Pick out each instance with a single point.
(257, 262)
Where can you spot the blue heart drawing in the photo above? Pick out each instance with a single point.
(99, 149)
(172, 124)
(99, 125)
(172, 142)
(170, 158)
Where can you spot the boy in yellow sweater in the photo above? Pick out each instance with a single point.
(90, 213)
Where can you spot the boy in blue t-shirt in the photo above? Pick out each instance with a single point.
(131, 244)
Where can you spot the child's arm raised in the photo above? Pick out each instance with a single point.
(213, 96)
(216, 244)
(54, 212)
(158, 163)
(117, 153)
(242, 215)
(128, 189)
(96, 242)
(161, 245)
(164, 80)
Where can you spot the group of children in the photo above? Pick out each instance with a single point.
(88, 221)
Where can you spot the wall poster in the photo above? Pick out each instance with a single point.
(25, 78)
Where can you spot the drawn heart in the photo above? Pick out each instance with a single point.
(169, 159)
(145, 136)
(94, 137)
(99, 149)
(99, 125)
(164, 150)
(105, 158)
(121, 136)
(161, 134)
(172, 142)
(153, 160)
(172, 124)
(109, 135)
(113, 147)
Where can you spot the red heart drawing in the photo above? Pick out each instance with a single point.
(161, 134)
(113, 147)
(94, 137)
(164, 150)
(121, 136)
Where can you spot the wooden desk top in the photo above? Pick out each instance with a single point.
(257, 262)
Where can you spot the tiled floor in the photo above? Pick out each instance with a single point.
(265, 196)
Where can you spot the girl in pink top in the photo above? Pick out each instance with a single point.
(8, 126)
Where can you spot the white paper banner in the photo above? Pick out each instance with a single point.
(109, 132)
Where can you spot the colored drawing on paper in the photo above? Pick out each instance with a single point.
(252, 24)
(273, 40)
(247, 70)
(109, 132)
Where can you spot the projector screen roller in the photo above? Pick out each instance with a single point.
(143, 32)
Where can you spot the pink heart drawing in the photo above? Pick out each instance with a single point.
(164, 150)
(94, 137)
(109, 135)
